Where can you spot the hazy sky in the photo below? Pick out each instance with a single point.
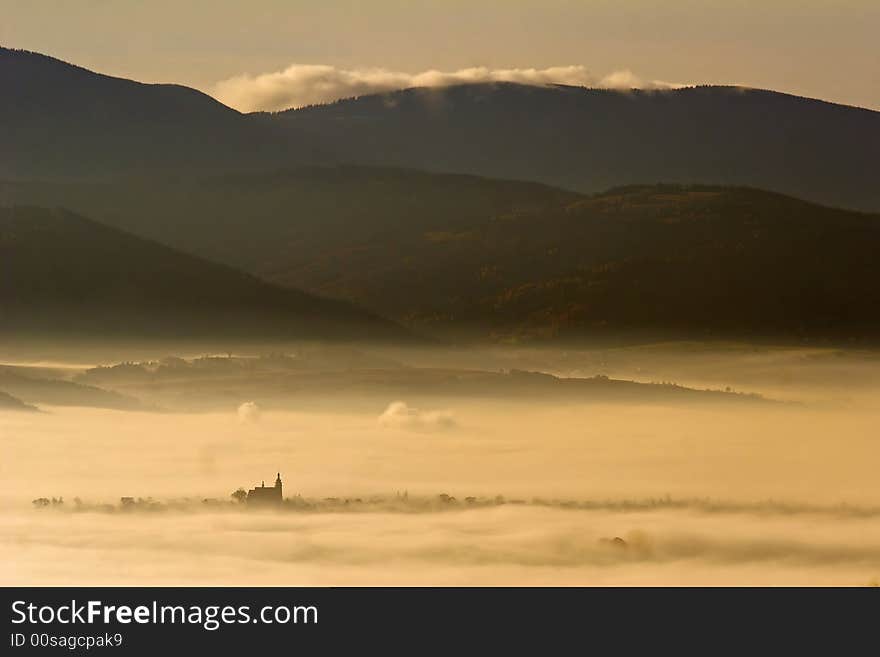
(822, 48)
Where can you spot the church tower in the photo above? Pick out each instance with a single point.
(263, 496)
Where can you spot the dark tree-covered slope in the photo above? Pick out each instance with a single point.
(63, 273)
(473, 257)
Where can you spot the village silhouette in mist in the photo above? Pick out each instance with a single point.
(264, 498)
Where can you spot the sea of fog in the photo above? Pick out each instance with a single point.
(734, 494)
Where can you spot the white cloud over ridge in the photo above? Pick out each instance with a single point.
(310, 84)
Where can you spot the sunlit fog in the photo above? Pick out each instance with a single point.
(727, 465)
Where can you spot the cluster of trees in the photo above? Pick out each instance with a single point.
(42, 502)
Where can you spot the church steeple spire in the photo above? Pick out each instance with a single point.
(263, 495)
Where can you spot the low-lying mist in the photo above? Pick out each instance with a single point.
(441, 488)
(505, 544)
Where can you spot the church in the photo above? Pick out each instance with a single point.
(263, 496)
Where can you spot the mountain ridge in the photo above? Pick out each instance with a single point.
(40, 59)
(61, 121)
(577, 138)
(732, 88)
(588, 140)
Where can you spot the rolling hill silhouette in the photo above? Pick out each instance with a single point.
(65, 274)
(470, 257)
(60, 121)
(269, 222)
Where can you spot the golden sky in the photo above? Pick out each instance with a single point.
(820, 48)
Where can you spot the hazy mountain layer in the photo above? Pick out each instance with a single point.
(281, 381)
(10, 403)
(56, 392)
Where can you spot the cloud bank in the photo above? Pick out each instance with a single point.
(400, 415)
(489, 546)
(308, 84)
(248, 412)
